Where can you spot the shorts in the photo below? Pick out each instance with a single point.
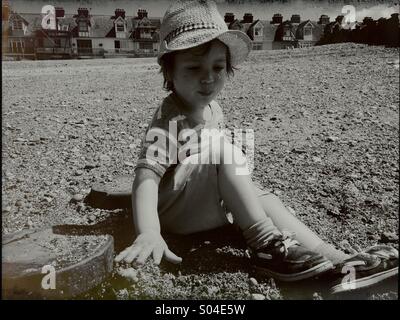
(189, 199)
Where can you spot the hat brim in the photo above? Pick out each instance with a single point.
(238, 43)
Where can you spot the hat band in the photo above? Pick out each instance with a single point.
(194, 26)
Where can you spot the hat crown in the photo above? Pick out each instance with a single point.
(183, 13)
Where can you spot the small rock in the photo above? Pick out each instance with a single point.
(253, 282)
(273, 118)
(92, 218)
(78, 172)
(129, 164)
(332, 139)
(257, 296)
(317, 296)
(77, 197)
(316, 159)
(6, 209)
(130, 273)
(90, 166)
(104, 157)
(277, 192)
(298, 151)
(212, 290)
(387, 237)
(18, 203)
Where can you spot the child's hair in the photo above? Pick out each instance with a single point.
(168, 59)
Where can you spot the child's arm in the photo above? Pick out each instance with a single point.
(147, 223)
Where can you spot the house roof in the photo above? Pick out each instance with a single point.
(101, 25)
(318, 29)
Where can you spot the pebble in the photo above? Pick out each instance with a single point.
(104, 157)
(77, 197)
(253, 282)
(129, 164)
(18, 203)
(316, 159)
(298, 151)
(129, 273)
(78, 172)
(387, 237)
(317, 296)
(257, 296)
(92, 218)
(6, 209)
(90, 166)
(332, 139)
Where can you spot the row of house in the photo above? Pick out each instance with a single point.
(85, 35)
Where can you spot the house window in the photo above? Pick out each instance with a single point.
(146, 46)
(120, 27)
(117, 44)
(17, 24)
(258, 32)
(83, 26)
(307, 33)
(100, 44)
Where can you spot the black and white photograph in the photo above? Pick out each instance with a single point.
(279, 117)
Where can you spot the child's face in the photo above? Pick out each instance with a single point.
(199, 75)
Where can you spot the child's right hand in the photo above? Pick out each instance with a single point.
(147, 243)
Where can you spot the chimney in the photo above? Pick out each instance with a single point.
(339, 19)
(323, 19)
(60, 12)
(141, 13)
(5, 11)
(229, 17)
(277, 18)
(247, 18)
(119, 13)
(368, 21)
(295, 18)
(83, 12)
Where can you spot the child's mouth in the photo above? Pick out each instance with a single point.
(206, 93)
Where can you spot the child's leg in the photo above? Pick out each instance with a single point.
(274, 253)
(283, 219)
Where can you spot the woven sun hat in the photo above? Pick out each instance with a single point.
(189, 23)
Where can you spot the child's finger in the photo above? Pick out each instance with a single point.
(121, 255)
(143, 255)
(172, 257)
(157, 255)
(134, 251)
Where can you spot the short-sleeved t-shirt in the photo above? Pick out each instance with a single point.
(173, 135)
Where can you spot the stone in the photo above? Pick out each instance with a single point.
(387, 237)
(77, 198)
(253, 282)
(257, 296)
(79, 263)
(332, 139)
(130, 273)
(78, 172)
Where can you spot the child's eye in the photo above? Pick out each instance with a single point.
(193, 68)
(219, 68)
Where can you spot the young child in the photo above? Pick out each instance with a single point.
(177, 190)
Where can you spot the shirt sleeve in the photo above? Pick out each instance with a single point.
(157, 143)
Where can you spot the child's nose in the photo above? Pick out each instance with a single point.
(207, 77)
